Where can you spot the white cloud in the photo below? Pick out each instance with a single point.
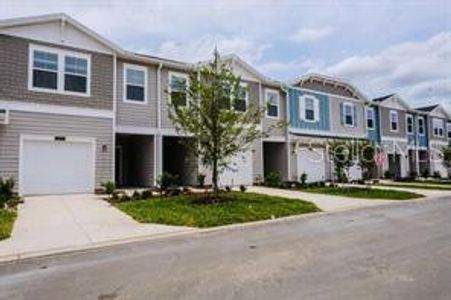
(312, 34)
(202, 48)
(297, 66)
(419, 71)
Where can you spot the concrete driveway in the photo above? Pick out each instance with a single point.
(48, 224)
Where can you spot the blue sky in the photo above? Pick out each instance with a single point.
(382, 46)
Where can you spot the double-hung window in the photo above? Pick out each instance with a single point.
(448, 130)
(393, 120)
(409, 124)
(370, 119)
(421, 129)
(240, 103)
(348, 114)
(60, 71)
(272, 103)
(135, 84)
(437, 127)
(178, 84)
(309, 108)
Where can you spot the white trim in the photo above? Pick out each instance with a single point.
(448, 129)
(137, 130)
(72, 139)
(367, 109)
(434, 122)
(353, 113)
(320, 133)
(407, 124)
(327, 94)
(302, 116)
(393, 139)
(124, 86)
(177, 74)
(269, 91)
(61, 72)
(390, 113)
(418, 126)
(56, 109)
(274, 138)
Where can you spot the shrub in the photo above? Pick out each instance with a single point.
(228, 189)
(166, 181)
(109, 187)
(425, 173)
(124, 198)
(174, 191)
(437, 175)
(413, 174)
(201, 179)
(146, 194)
(388, 174)
(273, 179)
(136, 195)
(303, 179)
(6, 191)
(243, 188)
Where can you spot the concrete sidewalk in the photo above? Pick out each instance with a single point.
(50, 224)
(324, 202)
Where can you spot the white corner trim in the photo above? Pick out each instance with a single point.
(56, 109)
(124, 87)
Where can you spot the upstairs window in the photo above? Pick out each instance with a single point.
(309, 109)
(135, 84)
(272, 102)
(240, 104)
(409, 124)
(349, 114)
(448, 130)
(177, 87)
(421, 129)
(393, 120)
(60, 71)
(75, 74)
(437, 127)
(45, 70)
(370, 120)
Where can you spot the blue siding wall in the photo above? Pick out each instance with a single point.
(295, 122)
(374, 134)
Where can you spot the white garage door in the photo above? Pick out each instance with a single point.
(56, 167)
(240, 172)
(355, 172)
(311, 162)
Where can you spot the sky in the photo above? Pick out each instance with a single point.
(382, 47)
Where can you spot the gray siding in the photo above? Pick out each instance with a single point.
(139, 115)
(267, 122)
(385, 122)
(257, 160)
(430, 128)
(335, 118)
(14, 77)
(61, 125)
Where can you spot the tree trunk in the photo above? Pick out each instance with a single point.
(215, 178)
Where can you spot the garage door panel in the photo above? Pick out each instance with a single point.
(240, 171)
(52, 167)
(312, 162)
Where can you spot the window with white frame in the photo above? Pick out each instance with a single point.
(394, 120)
(437, 127)
(272, 102)
(348, 114)
(240, 103)
(178, 84)
(370, 118)
(448, 130)
(409, 124)
(309, 108)
(135, 84)
(421, 129)
(59, 71)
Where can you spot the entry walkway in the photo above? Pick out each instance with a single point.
(48, 224)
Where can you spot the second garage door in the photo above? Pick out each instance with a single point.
(311, 161)
(240, 172)
(49, 166)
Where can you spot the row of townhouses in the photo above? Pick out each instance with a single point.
(77, 110)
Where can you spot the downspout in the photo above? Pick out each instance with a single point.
(157, 145)
(262, 156)
(113, 151)
(287, 135)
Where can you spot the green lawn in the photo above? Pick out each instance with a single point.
(241, 207)
(7, 218)
(368, 193)
(418, 185)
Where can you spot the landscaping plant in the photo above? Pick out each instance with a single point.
(341, 153)
(273, 179)
(6, 191)
(303, 179)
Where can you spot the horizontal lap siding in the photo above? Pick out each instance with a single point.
(50, 124)
(268, 122)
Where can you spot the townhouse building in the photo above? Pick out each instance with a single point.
(77, 110)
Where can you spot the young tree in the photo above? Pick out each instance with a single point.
(367, 158)
(341, 153)
(214, 117)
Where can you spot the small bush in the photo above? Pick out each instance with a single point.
(201, 180)
(437, 175)
(273, 179)
(303, 179)
(136, 196)
(228, 189)
(6, 191)
(174, 191)
(389, 174)
(425, 173)
(147, 194)
(243, 188)
(166, 181)
(413, 174)
(109, 187)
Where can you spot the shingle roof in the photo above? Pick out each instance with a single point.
(428, 108)
(383, 98)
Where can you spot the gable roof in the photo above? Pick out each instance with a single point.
(393, 97)
(435, 108)
(383, 98)
(332, 80)
(428, 108)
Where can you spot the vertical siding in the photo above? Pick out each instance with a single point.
(49, 124)
(295, 122)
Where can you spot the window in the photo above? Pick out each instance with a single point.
(177, 86)
(61, 71)
(75, 74)
(272, 101)
(448, 130)
(421, 130)
(348, 114)
(240, 104)
(393, 120)
(409, 124)
(309, 108)
(45, 70)
(135, 84)
(370, 120)
(437, 127)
